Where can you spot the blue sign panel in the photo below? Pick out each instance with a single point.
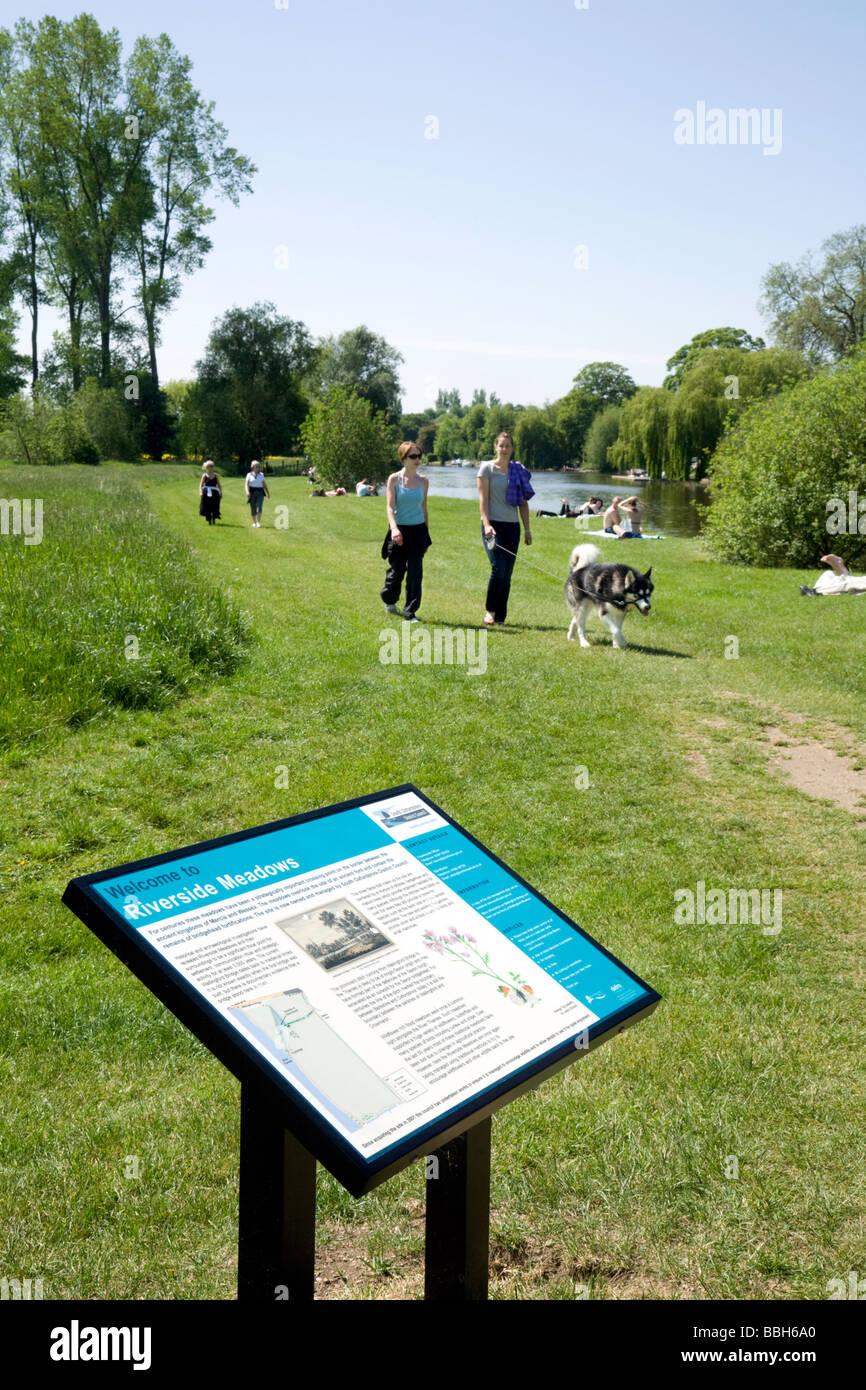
(386, 976)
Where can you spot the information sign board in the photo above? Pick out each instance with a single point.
(378, 974)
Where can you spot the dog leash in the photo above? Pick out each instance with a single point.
(496, 544)
(614, 602)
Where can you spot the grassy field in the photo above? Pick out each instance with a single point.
(614, 1176)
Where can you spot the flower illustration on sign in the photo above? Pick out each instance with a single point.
(464, 947)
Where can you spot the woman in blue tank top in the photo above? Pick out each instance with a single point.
(407, 537)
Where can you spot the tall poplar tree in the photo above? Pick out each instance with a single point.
(186, 155)
(96, 188)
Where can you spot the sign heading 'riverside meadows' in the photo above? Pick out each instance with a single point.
(189, 894)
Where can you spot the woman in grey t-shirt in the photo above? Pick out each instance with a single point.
(500, 528)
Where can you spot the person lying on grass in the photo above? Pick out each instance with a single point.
(841, 581)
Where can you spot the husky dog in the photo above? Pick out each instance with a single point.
(612, 588)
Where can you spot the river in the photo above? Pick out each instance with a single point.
(669, 507)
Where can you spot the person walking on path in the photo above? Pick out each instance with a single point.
(210, 492)
(503, 491)
(408, 537)
(257, 491)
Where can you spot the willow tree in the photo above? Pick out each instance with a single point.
(644, 433)
(676, 432)
(719, 387)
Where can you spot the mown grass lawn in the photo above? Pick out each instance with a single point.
(612, 1176)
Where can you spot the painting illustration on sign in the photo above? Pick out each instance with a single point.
(334, 935)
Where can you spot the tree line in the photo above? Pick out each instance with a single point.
(816, 310)
(108, 165)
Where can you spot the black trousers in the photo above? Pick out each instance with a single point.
(501, 565)
(405, 560)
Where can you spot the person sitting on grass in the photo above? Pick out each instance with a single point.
(613, 519)
(632, 519)
(589, 508)
(841, 581)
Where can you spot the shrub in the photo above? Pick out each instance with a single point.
(347, 439)
(774, 478)
(32, 429)
(94, 424)
(102, 415)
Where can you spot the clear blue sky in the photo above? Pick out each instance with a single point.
(556, 130)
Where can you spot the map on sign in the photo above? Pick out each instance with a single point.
(377, 962)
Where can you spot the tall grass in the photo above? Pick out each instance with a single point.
(109, 609)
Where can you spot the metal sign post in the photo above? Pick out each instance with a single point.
(457, 1248)
(276, 1208)
(277, 1213)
